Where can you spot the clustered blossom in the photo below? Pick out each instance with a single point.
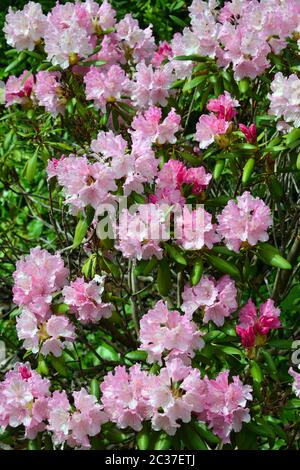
(217, 299)
(85, 299)
(296, 384)
(172, 178)
(285, 100)
(163, 52)
(49, 92)
(105, 86)
(150, 86)
(50, 336)
(164, 331)
(75, 424)
(194, 229)
(224, 407)
(249, 132)
(148, 126)
(37, 277)
(18, 90)
(173, 396)
(253, 328)
(139, 234)
(237, 34)
(138, 43)
(125, 396)
(210, 126)
(244, 221)
(25, 400)
(24, 28)
(84, 183)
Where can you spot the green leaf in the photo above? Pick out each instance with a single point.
(256, 372)
(164, 278)
(163, 442)
(31, 167)
(107, 352)
(137, 355)
(196, 272)
(218, 169)
(223, 266)
(94, 388)
(178, 21)
(175, 254)
(248, 170)
(292, 136)
(143, 437)
(271, 256)
(80, 232)
(194, 82)
(205, 433)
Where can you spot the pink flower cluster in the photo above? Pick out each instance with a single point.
(74, 424)
(150, 86)
(18, 90)
(224, 405)
(296, 384)
(217, 299)
(173, 396)
(49, 92)
(211, 125)
(241, 34)
(37, 277)
(245, 221)
(25, 400)
(139, 234)
(84, 299)
(84, 183)
(138, 43)
(106, 86)
(24, 28)
(137, 167)
(194, 229)
(251, 326)
(147, 126)
(172, 177)
(285, 100)
(163, 331)
(49, 336)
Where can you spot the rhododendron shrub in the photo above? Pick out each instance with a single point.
(149, 239)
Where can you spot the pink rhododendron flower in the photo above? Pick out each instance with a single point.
(139, 234)
(18, 90)
(47, 337)
(138, 43)
(225, 405)
(84, 183)
(36, 278)
(49, 92)
(74, 426)
(125, 397)
(151, 86)
(285, 99)
(105, 16)
(249, 132)
(24, 28)
(245, 221)
(23, 400)
(250, 325)
(85, 299)
(194, 229)
(147, 126)
(174, 395)
(167, 331)
(105, 86)
(296, 384)
(171, 178)
(208, 127)
(164, 51)
(218, 299)
(224, 106)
